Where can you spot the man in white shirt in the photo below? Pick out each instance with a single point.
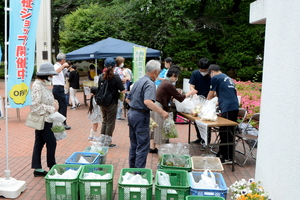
(58, 82)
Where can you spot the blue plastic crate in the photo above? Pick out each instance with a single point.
(221, 192)
(92, 158)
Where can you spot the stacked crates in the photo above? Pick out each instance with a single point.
(62, 188)
(136, 191)
(179, 188)
(96, 189)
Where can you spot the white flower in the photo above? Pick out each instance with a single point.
(251, 180)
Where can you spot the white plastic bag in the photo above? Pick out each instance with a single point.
(164, 180)
(208, 111)
(58, 127)
(207, 181)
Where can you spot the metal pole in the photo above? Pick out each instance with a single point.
(7, 171)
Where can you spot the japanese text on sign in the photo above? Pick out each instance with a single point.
(21, 55)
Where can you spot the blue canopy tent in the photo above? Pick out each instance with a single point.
(109, 47)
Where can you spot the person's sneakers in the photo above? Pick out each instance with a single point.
(67, 127)
(196, 141)
(73, 108)
(112, 145)
(120, 119)
(153, 150)
(226, 162)
(90, 138)
(78, 105)
(36, 173)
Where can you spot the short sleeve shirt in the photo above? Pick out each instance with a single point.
(143, 89)
(202, 83)
(60, 78)
(226, 92)
(161, 75)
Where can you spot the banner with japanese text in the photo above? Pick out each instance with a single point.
(23, 19)
(139, 62)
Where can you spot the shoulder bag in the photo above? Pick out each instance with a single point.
(35, 121)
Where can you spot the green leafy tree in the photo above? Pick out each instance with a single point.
(184, 30)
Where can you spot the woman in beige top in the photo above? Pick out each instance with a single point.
(43, 105)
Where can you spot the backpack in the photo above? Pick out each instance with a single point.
(103, 96)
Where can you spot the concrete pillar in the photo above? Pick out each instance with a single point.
(278, 156)
(43, 37)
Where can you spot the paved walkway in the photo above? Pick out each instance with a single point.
(21, 140)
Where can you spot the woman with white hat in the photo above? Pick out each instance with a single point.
(43, 105)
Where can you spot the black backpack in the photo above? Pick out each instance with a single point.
(103, 97)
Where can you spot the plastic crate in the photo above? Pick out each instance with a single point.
(62, 188)
(221, 192)
(102, 155)
(199, 164)
(136, 191)
(98, 189)
(191, 197)
(92, 158)
(177, 159)
(179, 182)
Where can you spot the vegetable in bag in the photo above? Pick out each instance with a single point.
(169, 129)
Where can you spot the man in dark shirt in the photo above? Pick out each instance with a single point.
(141, 100)
(200, 81)
(223, 86)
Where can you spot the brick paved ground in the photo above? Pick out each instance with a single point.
(21, 140)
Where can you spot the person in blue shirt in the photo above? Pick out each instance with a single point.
(223, 87)
(163, 73)
(141, 100)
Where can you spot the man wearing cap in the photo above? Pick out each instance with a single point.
(200, 81)
(223, 86)
(141, 100)
(58, 85)
(43, 105)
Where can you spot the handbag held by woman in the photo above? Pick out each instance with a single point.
(35, 121)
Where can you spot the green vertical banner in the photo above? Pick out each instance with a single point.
(139, 61)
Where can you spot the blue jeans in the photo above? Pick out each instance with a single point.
(139, 135)
(119, 111)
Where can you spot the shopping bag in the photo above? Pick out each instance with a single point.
(207, 181)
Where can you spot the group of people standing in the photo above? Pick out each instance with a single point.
(150, 96)
(209, 81)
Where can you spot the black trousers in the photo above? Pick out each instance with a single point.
(43, 137)
(226, 136)
(59, 94)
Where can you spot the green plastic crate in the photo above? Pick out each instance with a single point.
(192, 197)
(62, 188)
(179, 182)
(96, 189)
(177, 158)
(136, 191)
